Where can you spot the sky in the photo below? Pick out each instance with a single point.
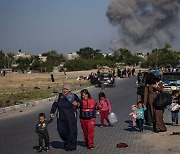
(38, 26)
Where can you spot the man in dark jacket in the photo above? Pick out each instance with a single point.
(67, 103)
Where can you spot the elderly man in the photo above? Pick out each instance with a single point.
(66, 103)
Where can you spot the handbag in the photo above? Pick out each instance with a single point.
(162, 100)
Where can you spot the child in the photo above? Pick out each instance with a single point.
(140, 115)
(174, 107)
(41, 130)
(105, 108)
(133, 115)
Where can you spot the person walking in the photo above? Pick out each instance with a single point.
(41, 130)
(149, 95)
(159, 123)
(174, 107)
(52, 77)
(88, 117)
(66, 104)
(152, 89)
(105, 106)
(140, 115)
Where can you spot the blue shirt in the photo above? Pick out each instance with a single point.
(140, 113)
(157, 72)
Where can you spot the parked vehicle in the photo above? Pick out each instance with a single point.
(105, 78)
(171, 81)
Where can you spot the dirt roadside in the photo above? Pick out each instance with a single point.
(26, 109)
(163, 142)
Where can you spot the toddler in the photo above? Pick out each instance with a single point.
(174, 107)
(133, 115)
(41, 130)
(140, 115)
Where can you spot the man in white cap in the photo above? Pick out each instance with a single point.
(66, 103)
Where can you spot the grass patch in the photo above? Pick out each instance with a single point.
(24, 94)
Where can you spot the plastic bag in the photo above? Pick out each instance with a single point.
(112, 117)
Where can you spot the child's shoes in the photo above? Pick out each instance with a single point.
(46, 149)
(40, 149)
(91, 148)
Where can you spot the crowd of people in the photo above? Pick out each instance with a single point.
(119, 73)
(150, 88)
(66, 105)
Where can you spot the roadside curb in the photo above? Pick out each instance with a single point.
(33, 103)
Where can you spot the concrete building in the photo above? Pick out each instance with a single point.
(22, 55)
(141, 54)
(42, 58)
(72, 56)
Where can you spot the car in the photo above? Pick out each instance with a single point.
(171, 81)
(107, 79)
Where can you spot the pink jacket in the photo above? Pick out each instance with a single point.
(105, 103)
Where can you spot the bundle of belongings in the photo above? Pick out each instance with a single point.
(175, 105)
(122, 145)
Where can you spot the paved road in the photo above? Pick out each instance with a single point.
(17, 134)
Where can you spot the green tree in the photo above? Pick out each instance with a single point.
(53, 59)
(89, 53)
(10, 59)
(36, 64)
(163, 57)
(2, 60)
(23, 63)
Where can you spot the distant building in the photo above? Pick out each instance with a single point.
(22, 55)
(107, 54)
(42, 58)
(72, 56)
(141, 54)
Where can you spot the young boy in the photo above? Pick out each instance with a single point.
(140, 115)
(41, 130)
(175, 107)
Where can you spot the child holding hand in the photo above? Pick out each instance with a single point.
(41, 130)
(140, 115)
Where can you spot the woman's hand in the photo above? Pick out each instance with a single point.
(52, 116)
(75, 104)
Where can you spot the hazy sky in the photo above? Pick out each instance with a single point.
(37, 26)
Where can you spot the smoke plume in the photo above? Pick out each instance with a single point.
(144, 24)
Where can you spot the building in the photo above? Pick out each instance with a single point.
(141, 54)
(72, 56)
(42, 58)
(22, 55)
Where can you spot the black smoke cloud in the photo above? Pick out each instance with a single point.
(144, 24)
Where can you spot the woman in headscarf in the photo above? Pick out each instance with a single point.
(152, 89)
(66, 104)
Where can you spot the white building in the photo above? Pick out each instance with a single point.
(72, 56)
(42, 58)
(141, 54)
(22, 55)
